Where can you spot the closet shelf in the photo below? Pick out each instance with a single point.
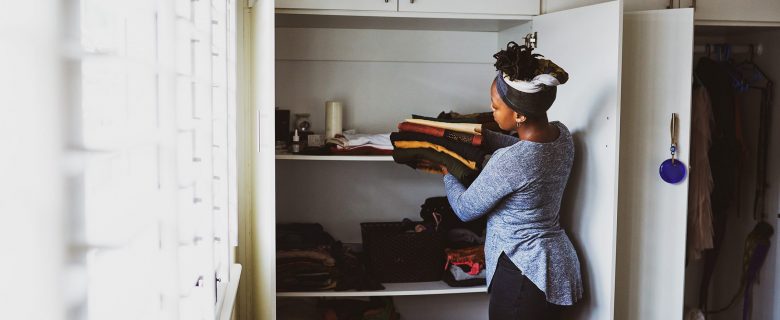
(333, 158)
(393, 289)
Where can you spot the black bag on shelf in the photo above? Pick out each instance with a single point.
(397, 255)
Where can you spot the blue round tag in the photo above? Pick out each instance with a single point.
(672, 172)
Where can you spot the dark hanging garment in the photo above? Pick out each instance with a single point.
(724, 158)
(724, 152)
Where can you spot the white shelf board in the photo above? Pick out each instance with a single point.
(393, 289)
(333, 158)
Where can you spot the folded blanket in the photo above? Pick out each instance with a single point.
(470, 138)
(412, 157)
(379, 140)
(320, 254)
(467, 151)
(459, 127)
(427, 145)
(454, 117)
(430, 167)
(365, 150)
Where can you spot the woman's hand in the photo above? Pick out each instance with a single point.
(443, 170)
(478, 130)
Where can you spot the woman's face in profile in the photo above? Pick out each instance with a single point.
(504, 116)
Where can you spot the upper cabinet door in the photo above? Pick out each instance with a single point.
(514, 7)
(374, 5)
(745, 11)
(586, 43)
(549, 6)
(652, 214)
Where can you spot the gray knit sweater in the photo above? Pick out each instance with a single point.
(520, 189)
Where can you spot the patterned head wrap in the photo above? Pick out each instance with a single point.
(533, 96)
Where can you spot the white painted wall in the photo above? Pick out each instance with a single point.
(32, 236)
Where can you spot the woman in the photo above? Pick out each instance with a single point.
(532, 267)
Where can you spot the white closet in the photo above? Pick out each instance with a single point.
(385, 69)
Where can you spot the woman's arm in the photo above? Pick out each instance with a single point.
(491, 186)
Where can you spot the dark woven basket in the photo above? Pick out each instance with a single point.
(394, 256)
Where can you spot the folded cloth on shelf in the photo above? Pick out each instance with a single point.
(295, 267)
(466, 151)
(378, 141)
(471, 258)
(316, 254)
(454, 117)
(309, 272)
(427, 145)
(475, 139)
(459, 274)
(360, 151)
(297, 284)
(412, 157)
(309, 259)
(429, 167)
(459, 127)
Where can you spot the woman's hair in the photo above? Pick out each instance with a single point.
(518, 62)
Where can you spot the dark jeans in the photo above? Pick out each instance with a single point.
(513, 296)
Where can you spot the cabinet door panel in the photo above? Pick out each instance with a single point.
(521, 7)
(549, 6)
(376, 5)
(588, 105)
(652, 215)
(737, 11)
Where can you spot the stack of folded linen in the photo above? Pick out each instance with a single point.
(361, 144)
(303, 258)
(450, 141)
(309, 259)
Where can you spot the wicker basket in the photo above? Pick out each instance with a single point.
(395, 256)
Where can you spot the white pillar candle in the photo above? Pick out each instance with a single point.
(333, 116)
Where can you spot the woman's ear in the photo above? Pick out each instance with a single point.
(519, 119)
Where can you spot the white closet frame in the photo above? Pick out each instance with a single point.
(619, 293)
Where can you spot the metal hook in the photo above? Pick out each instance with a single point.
(673, 131)
(531, 40)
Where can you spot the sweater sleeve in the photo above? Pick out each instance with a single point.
(491, 186)
(492, 140)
